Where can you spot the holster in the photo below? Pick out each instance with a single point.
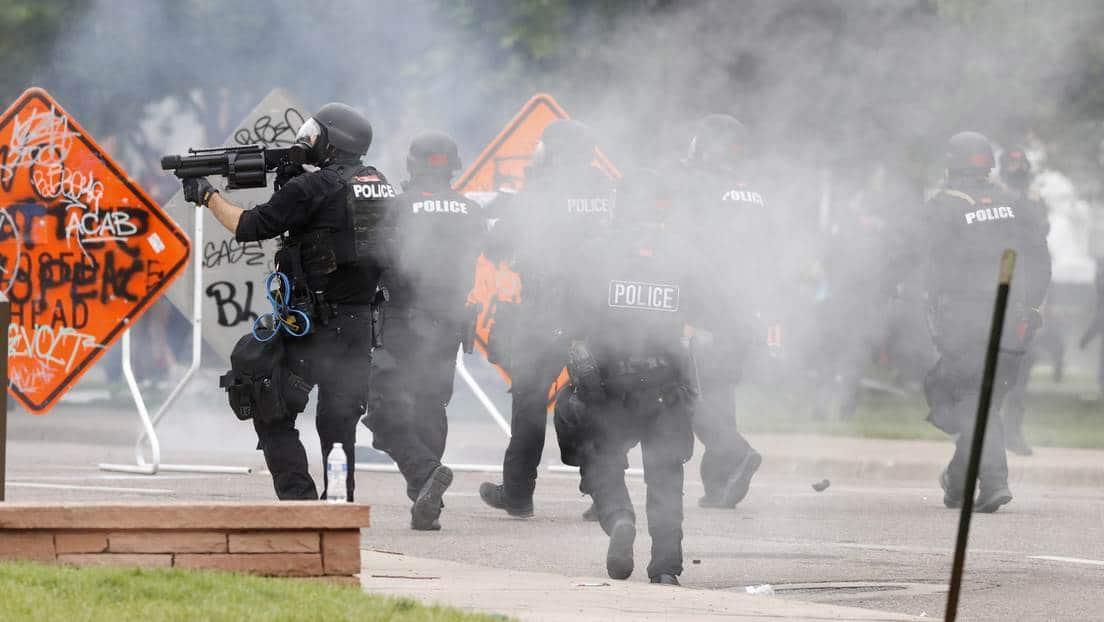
(585, 374)
(378, 302)
(574, 429)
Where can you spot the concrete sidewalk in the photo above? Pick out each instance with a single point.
(546, 597)
(844, 457)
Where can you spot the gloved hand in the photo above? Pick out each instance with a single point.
(198, 190)
(1030, 319)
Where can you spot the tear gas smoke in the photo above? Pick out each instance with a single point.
(849, 104)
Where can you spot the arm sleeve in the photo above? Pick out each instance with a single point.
(288, 208)
(1036, 258)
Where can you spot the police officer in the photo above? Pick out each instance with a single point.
(723, 210)
(631, 380)
(331, 249)
(437, 240)
(1016, 175)
(968, 224)
(565, 200)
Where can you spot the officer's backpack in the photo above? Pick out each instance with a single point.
(259, 384)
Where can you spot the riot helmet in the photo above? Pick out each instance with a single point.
(337, 131)
(719, 141)
(969, 154)
(433, 154)
(1015, 169)
(565, 142)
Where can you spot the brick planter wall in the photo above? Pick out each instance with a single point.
(288, 539)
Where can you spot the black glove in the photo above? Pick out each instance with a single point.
(285, 172)
(198, 190)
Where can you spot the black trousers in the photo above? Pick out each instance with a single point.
(534, 372)
(335, 357)
(953, 387)
(412, 379)
(715, 426)
(663, 430)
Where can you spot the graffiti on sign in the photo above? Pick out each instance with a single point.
(83, 250)
(233, 271)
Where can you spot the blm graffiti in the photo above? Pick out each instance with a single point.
(83, 251)
(233, 272)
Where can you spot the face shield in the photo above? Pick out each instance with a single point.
(310, 143)
(309, 133)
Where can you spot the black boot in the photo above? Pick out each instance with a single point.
(619, 555)
(591, 514)
(665, 579)
(990, 500)
(491, 494)
(427, 507)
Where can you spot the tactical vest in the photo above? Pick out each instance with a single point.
(308, 258)
(367, 200)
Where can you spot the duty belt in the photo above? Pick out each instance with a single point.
(632, 375)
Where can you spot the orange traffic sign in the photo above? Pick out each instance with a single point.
(83, 250)
(500, 167)
(502, 163)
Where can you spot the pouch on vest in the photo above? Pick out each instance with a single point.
(259, 385)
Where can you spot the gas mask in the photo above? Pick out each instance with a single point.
(311, 143)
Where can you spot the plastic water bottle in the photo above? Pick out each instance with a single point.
(337, 470)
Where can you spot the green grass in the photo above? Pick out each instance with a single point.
(58, 593)
(1053, 419)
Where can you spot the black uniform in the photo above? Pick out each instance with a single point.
(559, 209)
(1014, 407)
(438, 234)
(728, 217)
(315, 211)
(632, 308)
(968, 225)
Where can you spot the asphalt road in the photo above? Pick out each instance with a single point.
(881, 544)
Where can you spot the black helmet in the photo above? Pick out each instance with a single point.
(1015, 169)
(971, 153)
(565, 142)
(433, 153)
(718, 140)
(336, 129)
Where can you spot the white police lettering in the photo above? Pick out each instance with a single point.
(587, 205)
(373, 191)
(990, 213)
(649, 296)
(743, 196)
(440, 207)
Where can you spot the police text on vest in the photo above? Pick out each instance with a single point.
(373, 191)
(648, 296)
(440, 207)
(989, 213)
